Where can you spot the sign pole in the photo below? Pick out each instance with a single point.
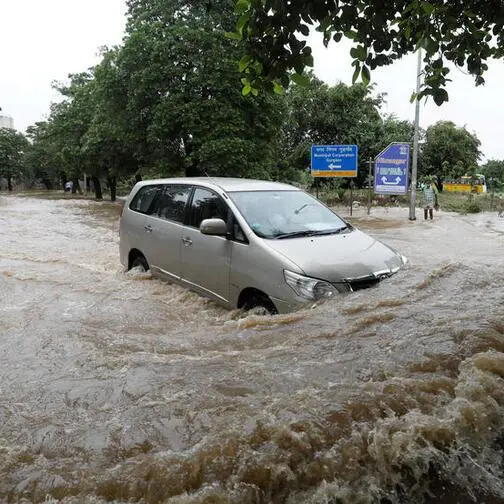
(415, 141)
(369, 186)
(351, 197)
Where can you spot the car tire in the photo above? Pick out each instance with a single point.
(140, 262)
(260, 305)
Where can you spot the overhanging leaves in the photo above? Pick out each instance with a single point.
(466, 35)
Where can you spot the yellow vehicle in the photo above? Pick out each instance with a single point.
(475, 184)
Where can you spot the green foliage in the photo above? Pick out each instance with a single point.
(40, 158)
(168, 102)
(322, 114)
(467, 203)
(183, 96)
(12, 148)
(494, 173)
(472, 206)
(340, 114)
(449, 151)
(465, 34)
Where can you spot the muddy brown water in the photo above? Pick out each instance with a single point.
(118, 387)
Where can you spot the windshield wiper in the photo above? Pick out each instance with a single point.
(307, 232)
(295, 234)
(344, 228)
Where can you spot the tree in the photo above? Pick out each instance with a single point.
(182, 84)
(494, 173)
(12, 147)
(68, 122)
(108, 144)
(322, 114)
(395, 130)
(466, 34)
(41, 157)
(449, 151)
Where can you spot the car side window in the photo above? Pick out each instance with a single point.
(171, 203)
(144, 197)
(207, 205)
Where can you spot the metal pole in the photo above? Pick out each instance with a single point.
(351, 197)
(369, 186)
(415, 141)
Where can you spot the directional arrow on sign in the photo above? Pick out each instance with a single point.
(334, 166)
(386, 182)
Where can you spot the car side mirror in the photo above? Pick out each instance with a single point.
(213, 227)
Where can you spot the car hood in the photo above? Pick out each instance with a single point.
(340, 257)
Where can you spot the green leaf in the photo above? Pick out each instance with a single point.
(304, 30)
(246, 89)
(255, 91)
(242, 21)
(431, 46)
(308, 60)
(233, 35)
(277, 88)
(242, 6)
(244, 62)
(351, 34)
(359, 52)
(440, 96)
(354, 53)
(428, 8)
(366, 75)
(300, 79)
(356, 74)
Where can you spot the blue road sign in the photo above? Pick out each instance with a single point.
(391, 169)
(334, 160)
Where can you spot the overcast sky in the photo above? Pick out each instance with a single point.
(44, 41)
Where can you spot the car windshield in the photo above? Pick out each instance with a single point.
(286, 214)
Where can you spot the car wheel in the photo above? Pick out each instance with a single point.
(140, 262)
(260, 305)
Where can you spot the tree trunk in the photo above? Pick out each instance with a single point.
(76, 186)
(97, 188)
(112, 182)
(9, 183)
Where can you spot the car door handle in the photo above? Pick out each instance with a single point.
(187, 242)
(148, 229)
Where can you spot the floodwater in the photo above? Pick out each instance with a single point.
(118, 387)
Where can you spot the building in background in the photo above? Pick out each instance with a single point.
(6, 122)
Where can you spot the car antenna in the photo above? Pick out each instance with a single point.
(208, 176)
(213, 181)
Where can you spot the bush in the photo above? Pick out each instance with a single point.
(472, 206)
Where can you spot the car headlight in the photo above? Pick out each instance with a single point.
(309, 288)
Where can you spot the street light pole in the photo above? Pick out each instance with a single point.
(414, 167)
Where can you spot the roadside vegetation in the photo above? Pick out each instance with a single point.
(172, 100)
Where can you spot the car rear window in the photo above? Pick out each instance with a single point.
(143, 199)
(171, 203)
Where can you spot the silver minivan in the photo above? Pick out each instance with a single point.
(248, 243)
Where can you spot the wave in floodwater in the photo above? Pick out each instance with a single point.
(115, 386)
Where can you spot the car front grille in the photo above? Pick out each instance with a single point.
(364, 283)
